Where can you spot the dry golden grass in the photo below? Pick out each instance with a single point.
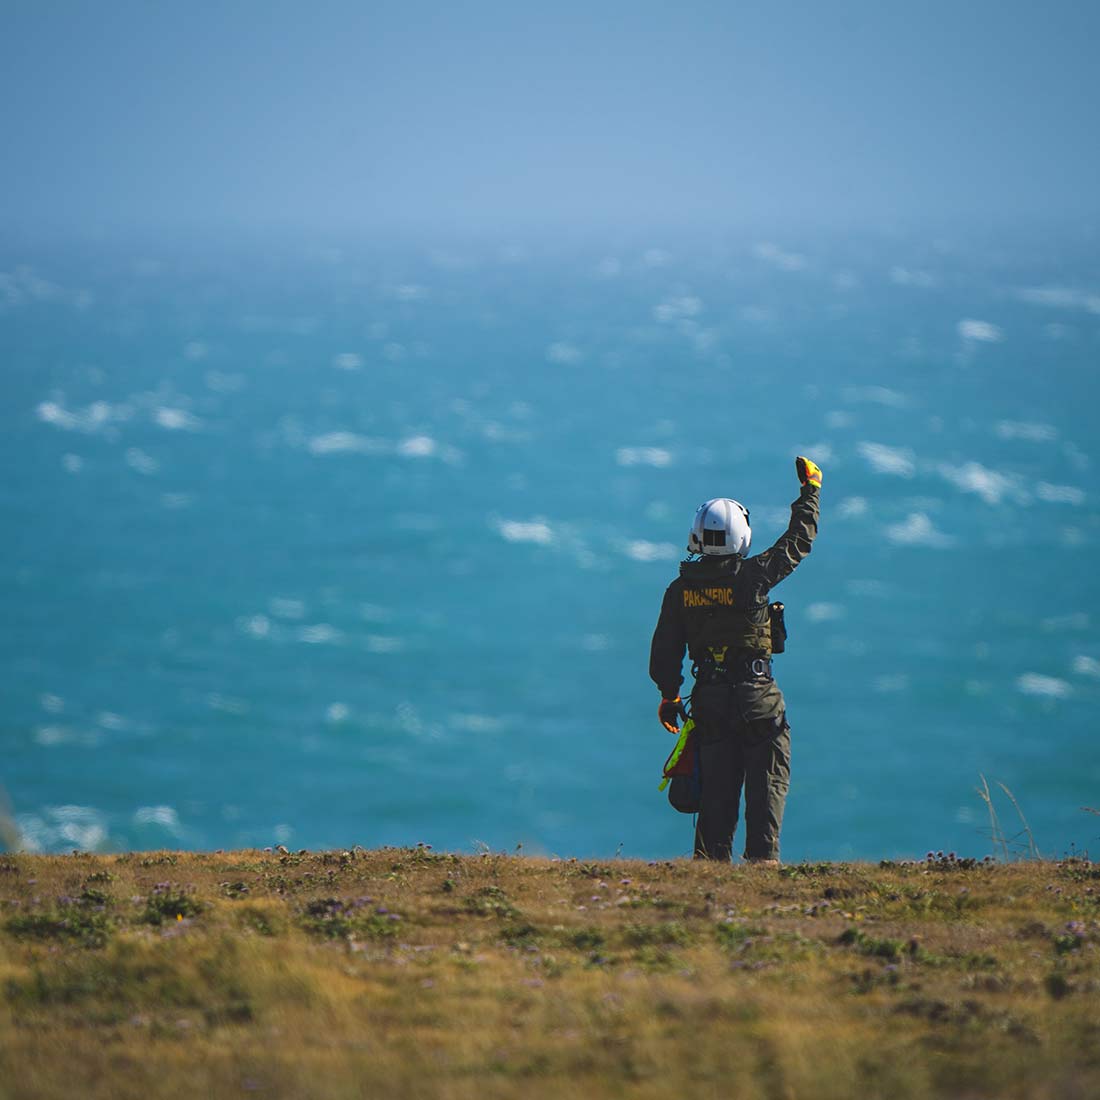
(405, 973)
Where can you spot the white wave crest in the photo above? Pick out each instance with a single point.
(256, 626)
(980, 332)
(774, 255)
(94, 418)
(164, 816)
(320, 634)
(564, 354)
(143, 463)
(904, 276)
(875, 395)
(1061, 297)
(640, 550)
(888, 460)
(1050, 687)
(677, 309)
(176, 419)
(284, 607)
(346, 442)
(536, 530)
(1059, 494)
(417, 446)
(1086, 666)
(59, 826)
(972, 477)
(825, 612)
(643, 456)
(220, 382)
(918, 530)
(1029, 431)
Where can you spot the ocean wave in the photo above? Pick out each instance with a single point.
(875, 395)
(417, 446)
(823, 612)
(972, 477)
(141, 461)
(164, 817)
(564, 354)
(286, 607)
(176, 420)
(772, 254)
(224, 382)
(972, 331)
(1050, 687)
(891, 684)
(918, 530)
(1086, 666)
(96, 417)
(255, 626)
(641, 550)
(320, 634)
(343, 443)
(643, 456)
(476, 723)
(1061, 297)
(347, 360)
(1027, 430)
(677, 309)
(54, 827)
(226, 704)
(888, 460)
(904, 276)
(52, 735)
(536, 530)
(1059, 494)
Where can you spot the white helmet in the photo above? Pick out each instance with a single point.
(721, 527)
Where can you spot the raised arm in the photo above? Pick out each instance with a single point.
(795, 543)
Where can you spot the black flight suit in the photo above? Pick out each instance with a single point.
(717, 609)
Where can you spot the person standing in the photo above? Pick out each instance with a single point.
(717, 610)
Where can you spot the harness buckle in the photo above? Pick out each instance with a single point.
(759, 666)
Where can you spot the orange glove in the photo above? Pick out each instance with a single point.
(809, 473)
(670, 712)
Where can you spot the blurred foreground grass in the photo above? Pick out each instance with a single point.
(407, 973)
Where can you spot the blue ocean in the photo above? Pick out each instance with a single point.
(323, 542)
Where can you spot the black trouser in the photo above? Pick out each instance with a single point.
(753, 754)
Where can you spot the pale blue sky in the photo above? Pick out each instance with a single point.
(368, 114)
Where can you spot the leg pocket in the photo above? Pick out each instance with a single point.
(757, 700)
(762, 730)
(712, 707)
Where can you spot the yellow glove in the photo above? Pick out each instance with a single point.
(809, 473)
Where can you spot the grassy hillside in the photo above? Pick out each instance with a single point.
(404, 972)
